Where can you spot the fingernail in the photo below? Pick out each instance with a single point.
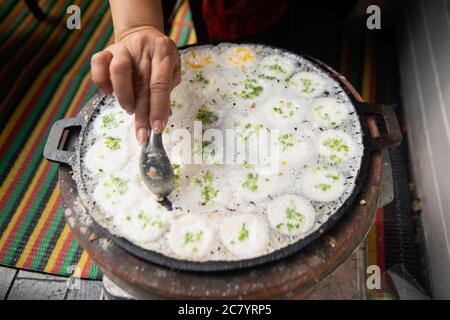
(157, 126)
(142, 136)
(105, 92)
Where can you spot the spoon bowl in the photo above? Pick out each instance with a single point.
(155, 167)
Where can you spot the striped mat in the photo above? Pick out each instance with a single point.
(44, 77)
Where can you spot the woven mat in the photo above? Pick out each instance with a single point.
(45, 77)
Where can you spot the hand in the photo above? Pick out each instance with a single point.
(141, 68)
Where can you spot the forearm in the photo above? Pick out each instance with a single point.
(131, 15)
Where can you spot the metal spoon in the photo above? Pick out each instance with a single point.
(156, 170)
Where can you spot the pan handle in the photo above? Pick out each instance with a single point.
(51, 150)
(394, 134)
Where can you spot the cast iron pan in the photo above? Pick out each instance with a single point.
(392, 138)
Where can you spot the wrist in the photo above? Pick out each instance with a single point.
(136, 29)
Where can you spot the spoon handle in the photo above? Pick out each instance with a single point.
(156, 140)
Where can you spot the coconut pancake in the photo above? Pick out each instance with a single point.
(228, 205)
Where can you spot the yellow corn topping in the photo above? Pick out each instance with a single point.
(196, 62)
(241, 56)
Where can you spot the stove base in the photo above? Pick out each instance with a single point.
(346, 283)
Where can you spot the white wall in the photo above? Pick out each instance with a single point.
(424, 46)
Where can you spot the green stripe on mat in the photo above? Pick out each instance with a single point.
(94, 272)
(7, 7)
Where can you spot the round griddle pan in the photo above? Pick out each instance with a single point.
(72, 158)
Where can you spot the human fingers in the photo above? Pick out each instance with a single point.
(100, 71)
(121, 74)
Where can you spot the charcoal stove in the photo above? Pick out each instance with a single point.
(293, 277)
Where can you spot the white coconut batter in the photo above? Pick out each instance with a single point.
(236, 210)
